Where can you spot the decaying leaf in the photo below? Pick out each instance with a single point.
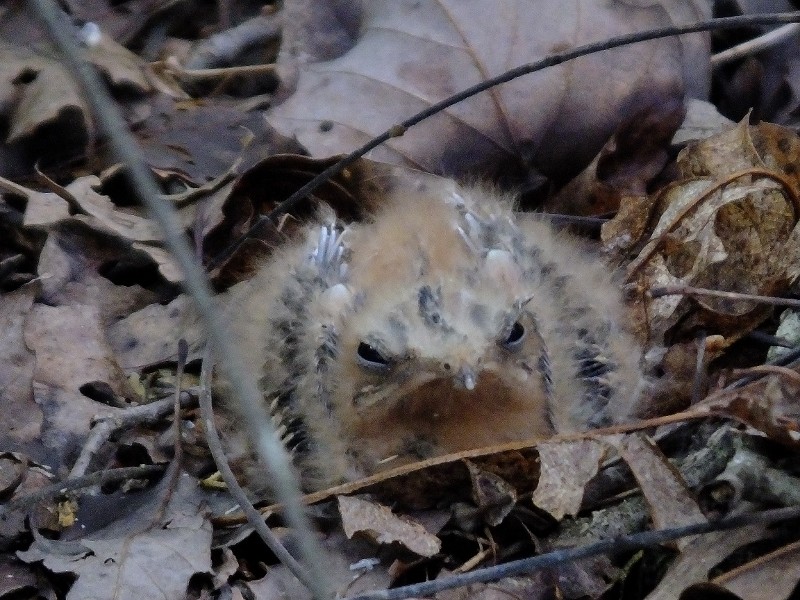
(139, 556)
(566, 469)
(699, 556)
(729, 224)
(771, 577)
(381, 525)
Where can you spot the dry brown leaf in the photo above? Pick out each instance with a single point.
(60, 375)
(97, 211)
(494, 498)
(670, 502)
(22, 418)
(104, 215)
(315, 31)
(121, 67)
(771, 577)
(768, 404)
(42, 125)
(36, 103)
(74, 265)
(138, 556)
(627, 163)
(411, 54)
(698, 558)
(566, 468)
(197, 141)
(718, 229)
(150, 336)
(379, 524)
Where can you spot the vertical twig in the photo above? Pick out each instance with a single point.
(243, 383)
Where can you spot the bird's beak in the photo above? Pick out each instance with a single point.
(466, 377)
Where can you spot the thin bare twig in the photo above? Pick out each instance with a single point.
(757, 44)
(784, 372)
(76, 483)
(627, 543)
(687, 290)
(175, 69)
(243, 382)
(253, 516)
(105, 426)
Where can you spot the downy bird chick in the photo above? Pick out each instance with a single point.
(444, 323)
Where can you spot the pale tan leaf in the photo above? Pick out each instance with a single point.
(566, 469)
(103, 213)
(150, 336)
(379, 524)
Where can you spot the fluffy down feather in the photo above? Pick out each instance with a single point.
(443, 323)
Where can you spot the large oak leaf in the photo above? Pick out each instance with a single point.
(410, 54)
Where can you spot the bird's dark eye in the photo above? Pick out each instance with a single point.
(515, 337)
(370, 357)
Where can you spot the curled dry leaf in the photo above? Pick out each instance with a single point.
(412, 54)
(382, 526)
(729, 224)
(493, 496)
(768, 405)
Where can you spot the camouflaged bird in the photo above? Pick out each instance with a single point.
(443, 323)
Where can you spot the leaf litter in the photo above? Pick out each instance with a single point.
(103, 307)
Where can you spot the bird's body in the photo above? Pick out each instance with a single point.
(443, 323)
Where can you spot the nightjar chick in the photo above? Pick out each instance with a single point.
(443, 323)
